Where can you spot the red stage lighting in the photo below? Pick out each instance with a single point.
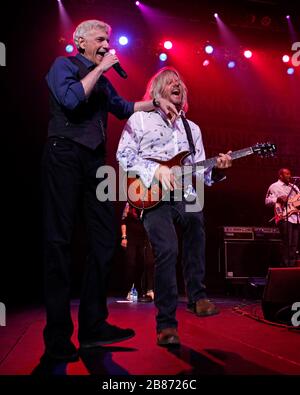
(285, 58)
(248, 54)
(168, 44)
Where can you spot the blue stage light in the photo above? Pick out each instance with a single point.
(69, 48)
(209, 49)
(163, 57)
(123, 40)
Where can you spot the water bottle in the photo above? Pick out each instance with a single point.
(134, 294)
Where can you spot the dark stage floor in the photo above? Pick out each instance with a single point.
(230, 343)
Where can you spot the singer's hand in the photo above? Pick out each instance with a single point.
(108, 61)
(168, 108)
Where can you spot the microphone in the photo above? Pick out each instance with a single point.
(122, 73)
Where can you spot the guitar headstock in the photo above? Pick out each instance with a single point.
(264, 149)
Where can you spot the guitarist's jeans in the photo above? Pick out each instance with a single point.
(290, 238)
(159, 224)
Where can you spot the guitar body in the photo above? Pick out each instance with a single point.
(282, 212)
(141, 197)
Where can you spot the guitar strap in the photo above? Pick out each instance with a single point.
(188, 134)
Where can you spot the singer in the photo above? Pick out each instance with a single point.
(279, 194)
(80, 99)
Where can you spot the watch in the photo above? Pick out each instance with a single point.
(155, 103)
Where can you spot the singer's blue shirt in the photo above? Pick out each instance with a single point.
(63, 82)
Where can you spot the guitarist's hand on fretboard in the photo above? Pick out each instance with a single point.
(224, 160)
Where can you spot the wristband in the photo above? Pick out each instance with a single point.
(155, 103)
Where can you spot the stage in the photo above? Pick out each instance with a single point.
(231, 343)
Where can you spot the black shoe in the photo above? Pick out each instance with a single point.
(63, 351)
(107, 334)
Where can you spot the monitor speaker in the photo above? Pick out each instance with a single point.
(281, 292)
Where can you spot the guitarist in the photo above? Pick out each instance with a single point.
(278, 195)
(151, 135)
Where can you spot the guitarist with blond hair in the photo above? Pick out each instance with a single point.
(284, 196)
(150, 137)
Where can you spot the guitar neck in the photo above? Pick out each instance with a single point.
(211, 162)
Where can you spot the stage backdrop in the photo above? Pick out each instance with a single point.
(257, 101)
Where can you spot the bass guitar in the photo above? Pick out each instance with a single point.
(283, 211)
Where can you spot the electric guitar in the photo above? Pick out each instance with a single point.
(283, 211)
(143, 198)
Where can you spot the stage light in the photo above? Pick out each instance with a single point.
(231, 64)
(288, 17)
(163, 57)
(137, 3)
(168, 44)
(216, 15)
(113, 51)
(285, 58)
(290, 70)
(123, 40)
(209, 49)
(205, 63)
(248, 54)
(69, 48)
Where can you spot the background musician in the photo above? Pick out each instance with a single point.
(278, 195)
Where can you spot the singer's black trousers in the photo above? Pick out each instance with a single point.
(69, 178)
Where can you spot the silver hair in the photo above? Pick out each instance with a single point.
(84, 27)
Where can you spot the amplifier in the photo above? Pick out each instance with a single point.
(249, 233)
(266, 234)
(242, 259)
(237, 233)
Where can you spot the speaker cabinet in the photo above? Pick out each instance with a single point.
(251, 258)
(282, 290)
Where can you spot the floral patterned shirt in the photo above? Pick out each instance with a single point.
(149, 135)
